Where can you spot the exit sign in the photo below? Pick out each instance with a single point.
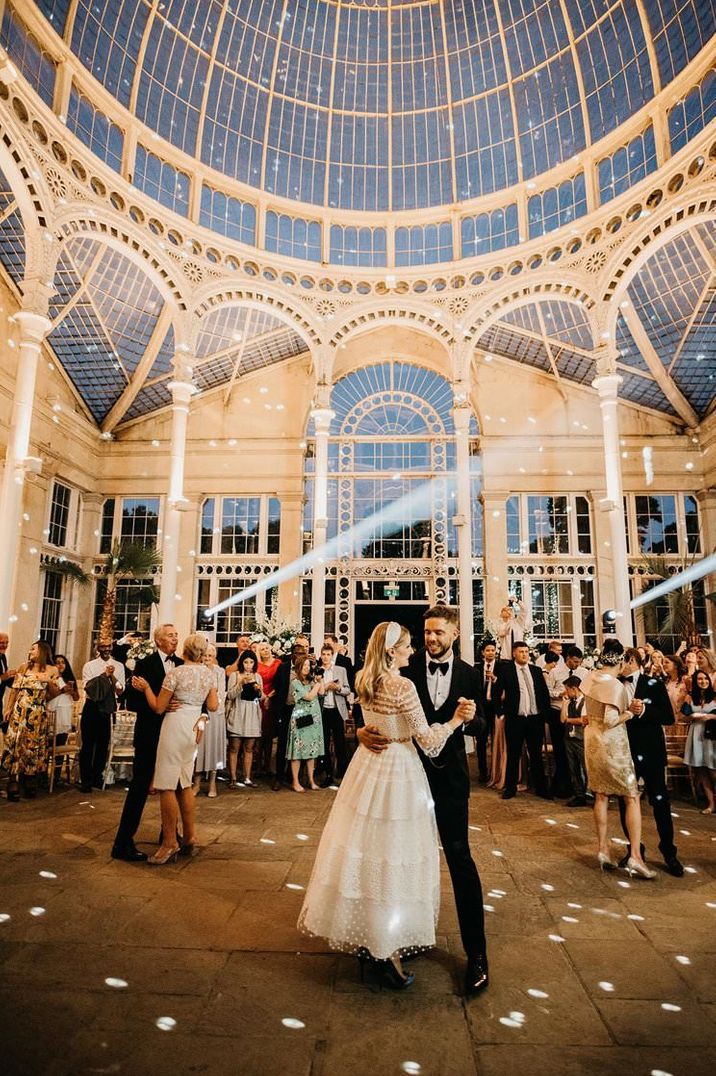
(390, 590)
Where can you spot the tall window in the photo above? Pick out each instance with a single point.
(240, 526)
(132, 612)
(665, 524)
(140, 519)
(60, 515)
(553, 525)
(51, 615)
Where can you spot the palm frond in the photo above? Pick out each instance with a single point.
(68, 568)
(132, 560)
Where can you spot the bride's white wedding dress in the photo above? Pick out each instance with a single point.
(376, 879)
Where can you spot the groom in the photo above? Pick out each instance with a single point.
(441, 679)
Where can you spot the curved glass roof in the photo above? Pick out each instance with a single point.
(383, 104)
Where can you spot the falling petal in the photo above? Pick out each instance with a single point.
(606, 987)
(667, 1006)
(547, 887)
(47, 874)
(293, 885)
(537, 993)
(510, 1023)
(165, 1023)
(37, 911)
(292, 1022)
(569, 919)
(267, 840)
(555, 937)
(4, 917)
(302, 837)
(118, 984)
(635, 917)
(682, 960)
(412, 1067)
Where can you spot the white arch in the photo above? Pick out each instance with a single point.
(255, 296)
(572, 293)
(368, 317)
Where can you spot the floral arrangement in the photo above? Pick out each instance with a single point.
(278, 632)
(139, 650)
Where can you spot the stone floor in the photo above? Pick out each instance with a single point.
(197, 967)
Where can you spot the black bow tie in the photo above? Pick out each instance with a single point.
(438, 666)
(168, 660)
(627, 679)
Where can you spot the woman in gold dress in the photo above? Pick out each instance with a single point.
(610, 770)
(26, 744)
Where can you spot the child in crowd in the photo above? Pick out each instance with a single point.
(574, 719)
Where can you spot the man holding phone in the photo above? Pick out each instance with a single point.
(334, 708)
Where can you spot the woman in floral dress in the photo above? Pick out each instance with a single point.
(305, 732)
(26, 741)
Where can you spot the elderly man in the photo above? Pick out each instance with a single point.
(103, 681)
(146, 738)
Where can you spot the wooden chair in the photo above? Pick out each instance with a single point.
(676, 768)
(70, 749)
(121, 745)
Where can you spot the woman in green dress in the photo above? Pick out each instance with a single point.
(305, 733)
(26, 742)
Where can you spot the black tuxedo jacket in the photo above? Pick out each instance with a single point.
(508, 690)
(482, 686)
(148, 724)
(448, 773)
(646, 733)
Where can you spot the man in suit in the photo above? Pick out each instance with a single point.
(524, 700)
(486, 674)
(340, 659)
(6, 675)
(146, 738)
(649, 703)
(441, 679)
(334, 712)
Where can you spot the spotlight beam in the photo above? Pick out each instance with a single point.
(675, 582)
(413, 505)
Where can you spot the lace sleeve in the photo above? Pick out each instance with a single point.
(613, 717)
(432, 738)
(170, 681)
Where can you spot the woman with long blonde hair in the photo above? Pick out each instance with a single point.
(375, 886)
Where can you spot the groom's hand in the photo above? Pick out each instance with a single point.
(370, 737)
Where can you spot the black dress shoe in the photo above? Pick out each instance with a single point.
(545, 795)
(576, 801)
(477, 977)
(509, 794)
(129, 853)
(674, 867)
(625, 858)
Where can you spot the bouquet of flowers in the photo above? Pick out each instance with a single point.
(139, 650)
(278, 632)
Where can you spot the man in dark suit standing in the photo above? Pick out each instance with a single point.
(524, 700)
(146, 738)
(486, 674)
(441, 679)
(650, 704)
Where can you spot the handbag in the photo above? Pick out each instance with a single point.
(305, 720)
(710, 729)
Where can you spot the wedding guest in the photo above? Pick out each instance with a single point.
(25, 750)
(656, 665)
(574, 719)
(515, 621)
(486, 678)
(555, 647)
(269, 665)
(305, 734)
(443, 682)
(675, 683)
(191, 685)
(243, 716)
(334, 714)
(6, 675)
(381, 832)
(340, 658)
(154, 668)
(649, 704)
(61, 709)
(103, 682)
(283, 705)
(649, 649)
(243, 643)
(524, 700)
(700, 752)
(555, 672)
(610, 770)
(706, 662)
(211, 752)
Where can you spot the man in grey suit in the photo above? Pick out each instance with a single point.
(334, 707)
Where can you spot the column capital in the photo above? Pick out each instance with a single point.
(462, 414)
(182, 391)
(606, 358)
(33, 326)
(322, 416)
(461, 356)
(607, 385)
(36, 295)
(323, 356)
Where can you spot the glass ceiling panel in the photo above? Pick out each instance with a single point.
(312, 100)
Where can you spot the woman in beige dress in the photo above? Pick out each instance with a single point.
(610, 770)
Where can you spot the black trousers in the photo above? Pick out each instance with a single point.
(333, 730)
(145, 757)
(653, 773)
(95, 728)
(560, 780)
(519, 730)
(451, 814)
(486, 731)
(283, 720)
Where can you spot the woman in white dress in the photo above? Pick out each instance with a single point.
(700, 751)
(211, 753)
(375, 886)
(192, 686)
(243, 715)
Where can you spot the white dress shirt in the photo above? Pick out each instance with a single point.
(528, 700)
(488, 669)
(97, 666)
(439, 683)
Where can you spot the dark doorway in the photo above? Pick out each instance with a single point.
(368, 615)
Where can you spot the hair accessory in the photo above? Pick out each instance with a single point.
(392, 634)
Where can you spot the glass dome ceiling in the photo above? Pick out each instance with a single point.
(383, 104)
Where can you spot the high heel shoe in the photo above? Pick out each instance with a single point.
(188, 849)
(13, 792)
(392, 978)
(605, 862)
(159, 858)
(636, 868)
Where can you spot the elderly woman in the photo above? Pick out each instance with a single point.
(211, 754)
(192, 686)
(610, 769)
(26, 741)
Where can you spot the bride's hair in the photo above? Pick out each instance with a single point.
(378, 661)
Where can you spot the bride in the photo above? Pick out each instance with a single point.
(375, 886)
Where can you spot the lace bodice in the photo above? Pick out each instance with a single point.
(396, 712)
(190, 684)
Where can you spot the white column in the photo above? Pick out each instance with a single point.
(182, 391)
(322, 418)
(607, 386)
(463, 525)
(33, 327)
